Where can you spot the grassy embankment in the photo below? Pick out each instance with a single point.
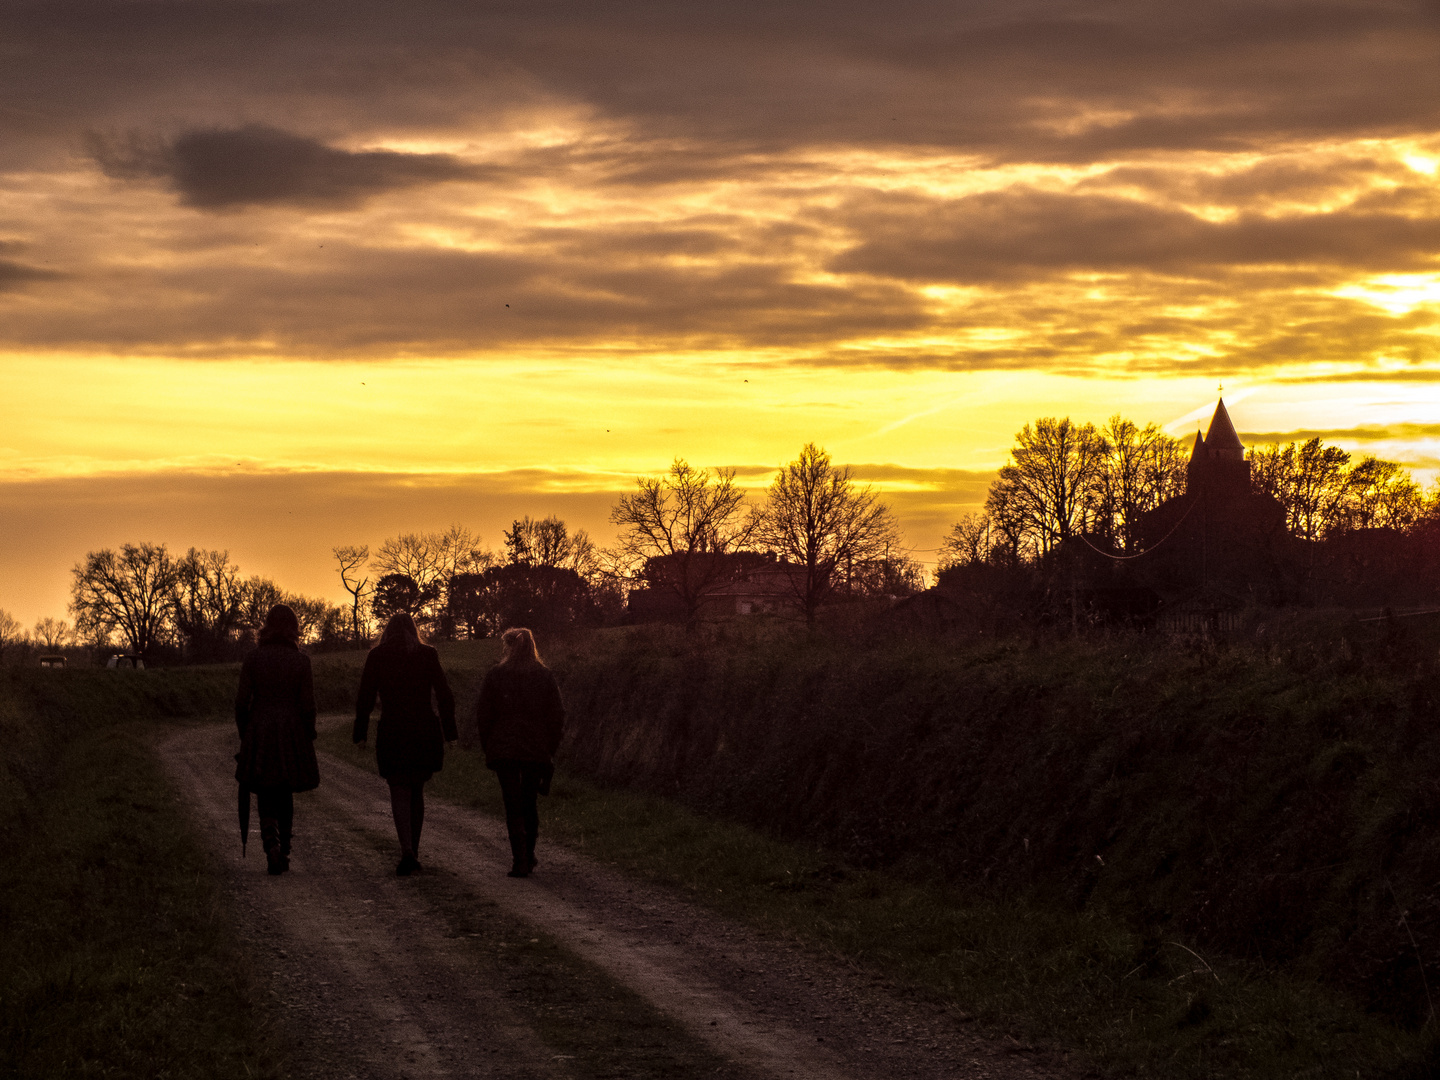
(117, 957)
(1051, 835)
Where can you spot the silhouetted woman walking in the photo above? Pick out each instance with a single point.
(410, 739)
(520, 718)
(275, 712)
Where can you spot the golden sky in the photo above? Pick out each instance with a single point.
(278, 276)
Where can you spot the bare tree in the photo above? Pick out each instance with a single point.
(430, 560)
(458, 551)
(207, 600)
(130, 592)
(817, 518)
(1140, 469)
(415, 555)
(319, 619)
(1308, 479)
(970, 542)
(352, 560)
(11, 632)
(1047, 492)
(53, 633)
(258, 596)
(1381, 495)
(690, 520)
(549, 542)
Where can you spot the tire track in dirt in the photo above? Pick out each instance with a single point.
(377, 987)
(774, 1010)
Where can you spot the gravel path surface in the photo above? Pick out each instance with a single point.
(373, 972)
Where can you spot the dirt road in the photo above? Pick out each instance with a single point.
(576, 971)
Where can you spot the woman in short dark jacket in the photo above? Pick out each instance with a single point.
(275, 712)
(520, 719)
(410, 739)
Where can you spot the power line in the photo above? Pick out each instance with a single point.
(1152, 547)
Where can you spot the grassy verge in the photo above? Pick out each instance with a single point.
(1134, 1005)
(117, 960)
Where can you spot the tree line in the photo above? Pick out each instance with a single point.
(1065, 479)
(684, 534)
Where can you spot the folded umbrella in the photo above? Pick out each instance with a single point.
(244, 808)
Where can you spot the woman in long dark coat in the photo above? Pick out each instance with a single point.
(410, 738)
(275, 712)
(520, 718)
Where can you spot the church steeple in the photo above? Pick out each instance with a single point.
(1217, 461)
(1221, 441)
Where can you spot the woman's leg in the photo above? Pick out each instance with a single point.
(400, 811)
(417, 816)
(510, 775)
(531, 779)
(286, 820)
(272, 804)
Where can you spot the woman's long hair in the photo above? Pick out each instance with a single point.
(402, 631)
(519, 646)
(281, 625)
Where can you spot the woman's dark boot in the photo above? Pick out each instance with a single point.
(519, 860)
(275, 859)
(530, 850)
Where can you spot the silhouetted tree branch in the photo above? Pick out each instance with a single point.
(130, 592)
(53, 633)
(352, 560)
(688, 518)
(1046, 494)
(815, 517)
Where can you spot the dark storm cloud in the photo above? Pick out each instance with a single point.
(219, 169)
(1021, 233)
(15, 274)
(437, 302)
(601, 126)
(1040, 81)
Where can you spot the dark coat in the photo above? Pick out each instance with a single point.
(519, 715)
(275, 712)
(410, 738)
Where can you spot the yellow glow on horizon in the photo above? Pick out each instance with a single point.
(87, 416)
(1399, 294)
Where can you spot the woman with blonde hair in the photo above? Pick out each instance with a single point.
(275, 713)
(520, 718)
(410, 739)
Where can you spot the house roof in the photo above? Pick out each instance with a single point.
(1221, 435)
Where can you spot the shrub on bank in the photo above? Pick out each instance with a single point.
(1276, 797)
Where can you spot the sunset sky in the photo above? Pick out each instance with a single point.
(279, 276)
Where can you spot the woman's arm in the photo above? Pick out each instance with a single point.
(485, 711)
(365, 700)
(243, 695)
(444, 697)
(554, 714)
(307, 695)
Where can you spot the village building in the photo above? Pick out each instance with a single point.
(1220, 536)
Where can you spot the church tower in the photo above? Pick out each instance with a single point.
(1217, 461)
